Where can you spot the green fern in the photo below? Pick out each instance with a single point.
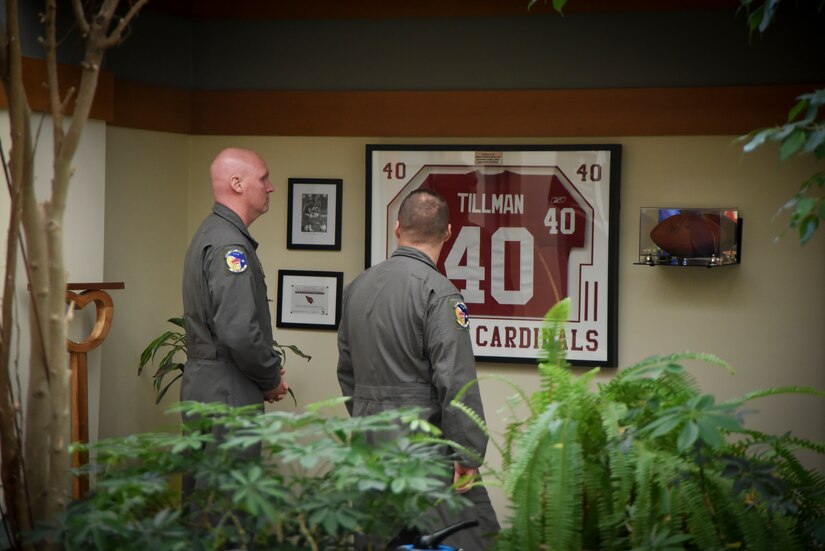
(807, 487)
(654, 364)
(511, 437)
(530, 444)
(554, 323)
(660, 376)
(603, 466)
(622, 458)
(602, 526)
(788, 441)
(563, 490)
(643, 506)
(776, 391)
(698, 515)
(471, 413)
(524, 485)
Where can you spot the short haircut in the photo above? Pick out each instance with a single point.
(423, 217)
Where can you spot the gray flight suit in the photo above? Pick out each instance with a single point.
(403, 341)
(230, 357)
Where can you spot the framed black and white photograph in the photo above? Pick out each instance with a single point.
(309, 299)
(314, 214)
(531, 225)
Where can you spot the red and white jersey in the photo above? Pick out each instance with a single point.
(512, 238)
(530, 227)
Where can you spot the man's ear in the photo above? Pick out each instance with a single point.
(397, 229)
(235, 184)
(449, 233)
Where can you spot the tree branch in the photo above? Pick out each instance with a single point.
(97, 42)
(80, 17)
(117, 34)
(52, 80)
(13, 475)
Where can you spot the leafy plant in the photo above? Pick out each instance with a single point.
(173, 344)
(804, 133)
(321, 482)
(647, 461)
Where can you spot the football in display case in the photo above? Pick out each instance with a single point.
(689, 236)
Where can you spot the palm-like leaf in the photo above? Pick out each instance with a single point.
(172, 344)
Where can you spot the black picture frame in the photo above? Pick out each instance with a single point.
(314, 214)
(581, 196)
(309, 299)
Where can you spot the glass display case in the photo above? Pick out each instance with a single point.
(672, 236)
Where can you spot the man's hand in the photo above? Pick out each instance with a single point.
(279, 392)
(463, 477)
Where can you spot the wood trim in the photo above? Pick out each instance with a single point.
(728, 110)
(152, 107)
(34, 79)
(517, 113)
(109, 285)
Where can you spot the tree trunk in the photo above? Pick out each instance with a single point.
(20, 168)
(36, 481)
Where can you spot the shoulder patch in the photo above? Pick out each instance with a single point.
(462, 315)
(235, 260)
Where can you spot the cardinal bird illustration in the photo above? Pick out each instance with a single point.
(309, 299)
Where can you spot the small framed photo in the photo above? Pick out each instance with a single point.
(309, 299)
(314, 214)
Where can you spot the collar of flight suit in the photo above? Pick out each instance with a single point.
(412, 252)
(230, 216)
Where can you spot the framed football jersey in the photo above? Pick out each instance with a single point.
(531, 225)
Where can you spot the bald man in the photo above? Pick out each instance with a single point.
(230, 357)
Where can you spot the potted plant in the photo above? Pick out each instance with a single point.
(319, 484)
(173, 344)
(648, 461)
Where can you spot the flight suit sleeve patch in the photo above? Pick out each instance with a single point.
(462, 315)
(235, 259)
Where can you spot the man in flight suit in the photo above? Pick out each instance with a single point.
(403, 341)
(230, 357)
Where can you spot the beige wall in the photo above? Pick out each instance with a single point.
(83, 224)
(146, 178)
(765, 316)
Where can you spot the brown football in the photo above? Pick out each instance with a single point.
(688, 235)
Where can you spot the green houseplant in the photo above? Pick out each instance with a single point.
(172, 344)
(646, 461)
(319, 484)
